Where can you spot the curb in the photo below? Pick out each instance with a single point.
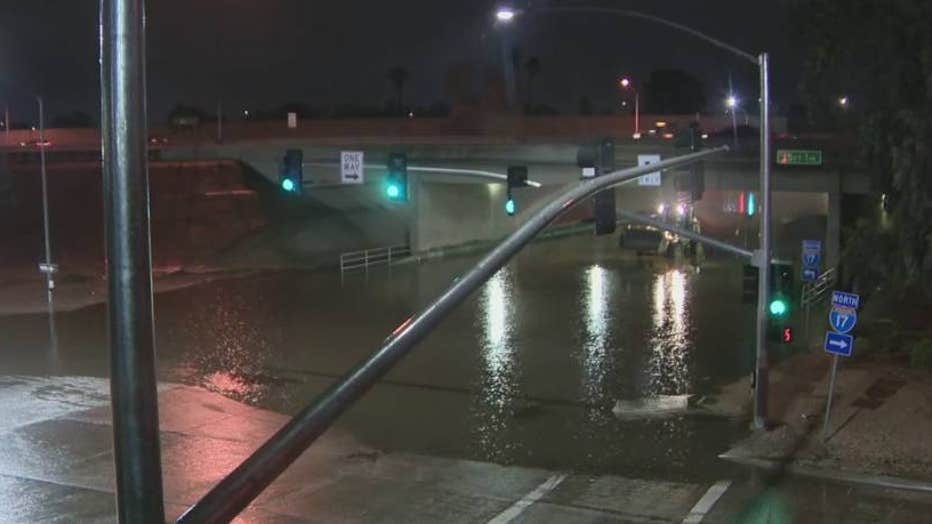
(878, 481)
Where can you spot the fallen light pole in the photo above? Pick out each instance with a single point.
(762, 62)
(225, 500)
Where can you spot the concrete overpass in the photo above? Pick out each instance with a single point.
(448, 209)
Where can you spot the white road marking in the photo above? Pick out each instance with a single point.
(518, 507)
(708, 500)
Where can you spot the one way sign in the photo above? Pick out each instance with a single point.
(838, 344)
(351, 167)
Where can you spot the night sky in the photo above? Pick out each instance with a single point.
(262, 54)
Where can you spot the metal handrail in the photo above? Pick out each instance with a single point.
(815, 292)
(250, 478)
(372, 257)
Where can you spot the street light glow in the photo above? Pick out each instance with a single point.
(843, 101)
(731, 102)
(625, 82)
(505, 14)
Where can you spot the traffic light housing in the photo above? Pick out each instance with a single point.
(601, 156)
(693, 181)
(396, 181)
(782, 299)
(291, 177)
(517, 177)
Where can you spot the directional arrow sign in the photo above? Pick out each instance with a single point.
(809, 274)
(838, 344)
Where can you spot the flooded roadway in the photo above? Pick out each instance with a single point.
(557, 362)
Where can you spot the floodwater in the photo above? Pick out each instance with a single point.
(576, 356)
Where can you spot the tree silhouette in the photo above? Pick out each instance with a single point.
(674, 92)
(532, 68)
(398, 76)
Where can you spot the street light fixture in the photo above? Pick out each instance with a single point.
(626, 83)
(843, 101)
(764, 254)
(732, 103)
(505, 14)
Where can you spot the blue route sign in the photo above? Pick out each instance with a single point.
(812, 258)
(843, 319)
(848, 300)
(812, 245)
(838, 344)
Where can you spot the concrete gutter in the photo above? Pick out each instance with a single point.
(878, 481)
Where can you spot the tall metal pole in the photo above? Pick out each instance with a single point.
(508, 61)
(761, 382)
(49, 277)
(126, 196)
(219, 121)
(637, 113)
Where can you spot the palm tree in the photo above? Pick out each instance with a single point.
(532, 67)
(398, 76)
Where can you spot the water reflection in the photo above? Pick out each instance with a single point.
(596, 353)
(668, 362)
(54, 356)
(499, 387)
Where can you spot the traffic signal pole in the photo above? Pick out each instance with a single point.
(765, 253)
(134, 399)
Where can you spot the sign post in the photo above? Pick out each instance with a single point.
(838, 343)
(650, 179)
(811, 259)
(351, 167)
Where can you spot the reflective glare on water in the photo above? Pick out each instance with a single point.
(543, 366)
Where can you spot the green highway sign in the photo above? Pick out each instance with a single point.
(799, 157)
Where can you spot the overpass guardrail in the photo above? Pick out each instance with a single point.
(382, 256)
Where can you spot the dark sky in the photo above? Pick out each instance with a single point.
(323, 52)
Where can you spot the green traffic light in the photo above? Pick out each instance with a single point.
(288, 185)
(393, 191)
(778, 307)
(510, 207)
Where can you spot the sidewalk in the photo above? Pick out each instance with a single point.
(28, 295)
(879, 426)
(56, 464)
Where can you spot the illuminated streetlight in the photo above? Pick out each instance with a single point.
(626, 83)
(732, 103)
(843, 101)
(505, 14)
